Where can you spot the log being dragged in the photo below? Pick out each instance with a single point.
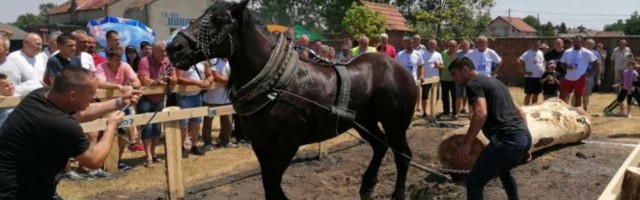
(631, 184)
(552, 122)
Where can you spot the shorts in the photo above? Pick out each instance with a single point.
(532, 85)
(425, 91)
(460, 91)
(591, 82)
(149, 131)
(577, 86)
(184, 102)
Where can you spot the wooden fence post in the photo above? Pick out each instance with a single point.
(173, 149)
(111, 163)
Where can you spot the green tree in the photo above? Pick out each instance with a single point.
(547, 29)
(447, 19)
(632, 25)
(532, 21)
(618, 26)
(45, 7)
(582, 29)
(562, 28)
(29, 19)
(359, 20)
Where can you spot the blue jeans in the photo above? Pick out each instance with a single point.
(152, 130)
(185, 101)
(498, 160)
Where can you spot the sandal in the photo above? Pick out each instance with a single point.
(157, 159)
(148, 163)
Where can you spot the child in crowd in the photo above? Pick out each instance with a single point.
(628, 91)
(7, 89)
(550, 81)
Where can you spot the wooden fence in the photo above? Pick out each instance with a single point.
(170, 118)
(625, 184)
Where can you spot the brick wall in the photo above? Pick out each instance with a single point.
(511, 48)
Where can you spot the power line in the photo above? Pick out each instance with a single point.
(576, 14)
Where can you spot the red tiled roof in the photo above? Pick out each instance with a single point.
(139, 4)
(81, 5)
(519, 24)
(63, 8)
(395, 20)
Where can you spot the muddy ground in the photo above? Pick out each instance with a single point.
(578, 171)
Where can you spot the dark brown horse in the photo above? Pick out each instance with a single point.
(268, 80)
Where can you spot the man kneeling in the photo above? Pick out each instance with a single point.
(43, 132)
(501, 120)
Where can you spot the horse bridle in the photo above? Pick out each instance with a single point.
(205, 38)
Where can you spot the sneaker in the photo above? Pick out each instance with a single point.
(208, 147)
(122, 166)
(74, 176)
(454, 117)
(99, 173)
(157, 159)
(195, 150)
(463, 111)
(136, 147)
(185, 153)
(148, 163)
(229, 145)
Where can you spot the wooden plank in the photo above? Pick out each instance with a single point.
(111, 93)
(173, 149)
(431, 80)
(613, 189)
(432, 100)
(111, 163)
(165, 116)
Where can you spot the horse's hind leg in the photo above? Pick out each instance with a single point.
(396, 131)
(370, 177)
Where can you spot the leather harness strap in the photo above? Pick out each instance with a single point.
(343, 95)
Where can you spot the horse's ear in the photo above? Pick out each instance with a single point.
(240, 7)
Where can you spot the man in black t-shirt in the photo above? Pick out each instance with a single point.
(43, 132)
(556, 54)
(501, 120)
(67, 46)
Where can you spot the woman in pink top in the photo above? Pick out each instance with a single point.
(115, 74)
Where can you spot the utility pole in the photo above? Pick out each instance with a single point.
(510, 26)
(539, 27)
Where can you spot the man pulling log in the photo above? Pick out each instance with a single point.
(43, 132)
(503, 123)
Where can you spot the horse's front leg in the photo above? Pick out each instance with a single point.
(274, 159)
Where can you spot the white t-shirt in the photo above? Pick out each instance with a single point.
(533, 63)
(484, 61)
(579, 60)
(192, 74)
(430, 61)
(219, 95)
(30, 68)
(11, 71)
(619, 56)
(85, 60)
(410, 61)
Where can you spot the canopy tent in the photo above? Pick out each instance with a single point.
(18, 34)
(300, 30)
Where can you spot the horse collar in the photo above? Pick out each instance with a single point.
(275, 75)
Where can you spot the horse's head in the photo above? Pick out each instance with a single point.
(211, 36)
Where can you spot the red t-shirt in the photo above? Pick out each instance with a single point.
(97, 59)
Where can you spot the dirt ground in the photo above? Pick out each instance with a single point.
(579, 171)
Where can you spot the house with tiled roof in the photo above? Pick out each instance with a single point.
(509, 27)
(396, 27)
(164, 16)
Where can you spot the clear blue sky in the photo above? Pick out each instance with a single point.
(555, 11)
(598, 12)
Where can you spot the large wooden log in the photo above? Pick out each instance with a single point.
(552, 122)
(631, 184)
